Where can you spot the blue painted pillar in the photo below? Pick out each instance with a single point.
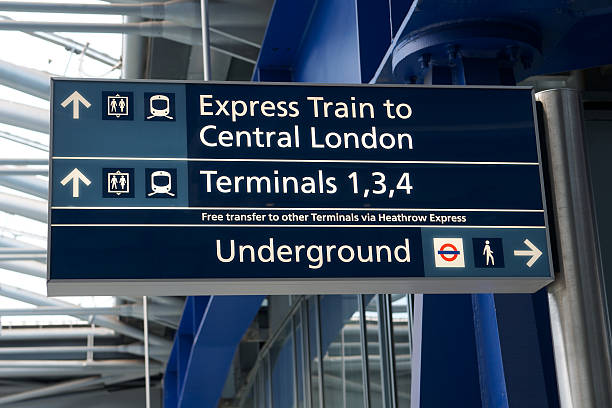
(482, 350)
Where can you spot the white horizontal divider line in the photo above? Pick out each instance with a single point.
(296, 160)
(302, 225)
(294, 209)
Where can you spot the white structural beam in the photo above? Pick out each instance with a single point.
(23, 171)
(133, 349)
(73, 46)
(13, 243)
(22, 254)
(27, 207)
(68, 386)
(24, 79)
(108, 322)
(236, 46)
(24, 141)
(124, 310)
(32, 185)
(50, 333)
(164, 29)
(185, 12)
(182, 11)
(73, 368)
(23, 162)
(32, 268)
(25, 116)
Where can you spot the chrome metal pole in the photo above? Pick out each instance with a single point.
(578, 314)
(145, 313)
(205, 40)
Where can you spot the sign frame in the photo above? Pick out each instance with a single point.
(246, 286)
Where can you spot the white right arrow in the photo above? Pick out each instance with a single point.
(74, 176)
(75, 98)
(533, 252)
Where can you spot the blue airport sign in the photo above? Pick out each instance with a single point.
(230, 188)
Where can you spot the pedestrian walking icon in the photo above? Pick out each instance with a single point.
(488, 253)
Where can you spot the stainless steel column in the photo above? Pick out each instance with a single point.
(579, 320)
(205, 40)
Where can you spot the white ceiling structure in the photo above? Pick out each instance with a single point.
(53, 349)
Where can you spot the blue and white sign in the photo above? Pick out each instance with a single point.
(219, 188)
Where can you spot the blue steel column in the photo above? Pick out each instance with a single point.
(499, 345)
(469, 350)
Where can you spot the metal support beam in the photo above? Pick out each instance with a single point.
(205, 39)
(24, 141)
(73, 46)
(577, 300)
(133, 53)
(25, 116)
(135, 349)
(27, 207)
(24, 162)
(167, 300)
(23, 171)
(7, 241)
(31, 268)
(124, 310)
(74, 368)
(22, 254)
(27, 184)
(24, 79)
(181, 11)
(108, 322)
(55, 333)
(68, 364)
(68, 386)
(164, 29)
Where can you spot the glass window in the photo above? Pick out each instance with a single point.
(266, 382)
(282, 369)
(373, 347)
(299, 353)
(260, 391)
(402, 323)
(249, 402)
(341, 349)
(312, 347)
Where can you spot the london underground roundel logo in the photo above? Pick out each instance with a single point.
(448, 253)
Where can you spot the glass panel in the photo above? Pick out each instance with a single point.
(281, 362)
(314, 356)
(261, 393)
(403, 347)
(266, 381)
(299, 351)
(374, 363)
(341, 345)
(249, 402)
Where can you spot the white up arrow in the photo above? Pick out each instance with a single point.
(74, 176)
(533, 252)
(75, 98)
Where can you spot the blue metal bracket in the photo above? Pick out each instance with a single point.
(441, 44)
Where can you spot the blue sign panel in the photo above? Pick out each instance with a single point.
(198, 188)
